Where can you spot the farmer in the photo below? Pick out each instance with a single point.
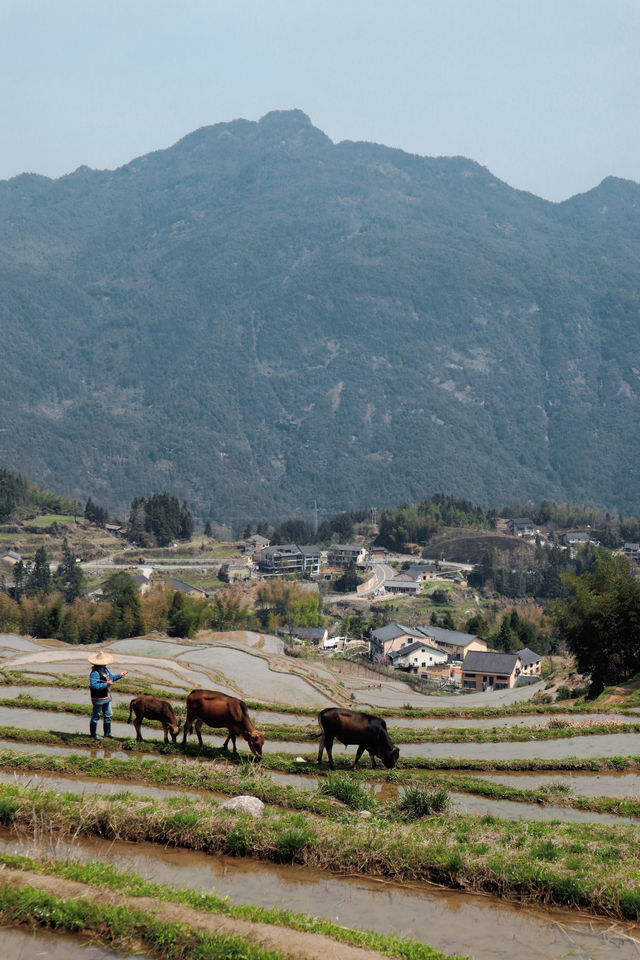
(100, 680)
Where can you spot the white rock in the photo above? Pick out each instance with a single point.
(365, 814)
(300, 760)
(244, 804)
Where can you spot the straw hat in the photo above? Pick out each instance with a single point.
(101, 658)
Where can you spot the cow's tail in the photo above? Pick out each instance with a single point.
(131, 709)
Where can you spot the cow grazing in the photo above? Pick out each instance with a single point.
(364, 729)
(220, 710)
(152, 708)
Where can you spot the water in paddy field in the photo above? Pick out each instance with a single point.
(17, 944)
(482, 927)
(254, 677)
(580, 783)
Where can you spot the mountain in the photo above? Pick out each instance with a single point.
(256, 318)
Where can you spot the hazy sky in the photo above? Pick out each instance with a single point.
(543, 92)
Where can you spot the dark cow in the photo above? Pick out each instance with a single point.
(152, 708)
(220, 710)
(365, 729)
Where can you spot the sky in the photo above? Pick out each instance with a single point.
(544, 93)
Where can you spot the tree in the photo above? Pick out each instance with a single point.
(207, 529)
(39, 579)
(19, 575)
(122, 592)
(95, 514)
(69, 576)
(600, 622)
(159, 520)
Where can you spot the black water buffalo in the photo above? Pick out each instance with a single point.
(365, 729)
(152, 708)
(218, 709)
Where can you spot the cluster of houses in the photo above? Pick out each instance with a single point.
(451, 656)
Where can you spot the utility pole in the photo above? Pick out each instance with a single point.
(315, 517)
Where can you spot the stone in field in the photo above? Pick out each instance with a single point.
(244, 804)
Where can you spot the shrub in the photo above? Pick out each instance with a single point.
(420, 802)
(292, 835)
(348, 791)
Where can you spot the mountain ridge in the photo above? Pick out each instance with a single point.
(257, 317)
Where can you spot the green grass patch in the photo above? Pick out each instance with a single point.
(348, 791)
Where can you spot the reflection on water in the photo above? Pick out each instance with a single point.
(461, 923)
(45, 945)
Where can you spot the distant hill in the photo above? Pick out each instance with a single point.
(258, 317)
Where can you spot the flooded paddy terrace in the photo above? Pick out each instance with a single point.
(454, 922)
(451, 921)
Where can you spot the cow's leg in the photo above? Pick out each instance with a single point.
(198, 726)
(232, 737)
(373, 759)
(329, 748)
(165, 727)
(359, 753)
(138, 724)
(188, 727)
(321, 748)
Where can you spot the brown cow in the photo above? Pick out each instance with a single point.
(154, 709)
(365, 729)
(220, 710)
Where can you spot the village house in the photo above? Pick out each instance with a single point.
(256, 543)
(456, 644)
(185, 588)
(344, 554)
(480, 671)
(417, 657)
(235, 570)
(392, 637)
(422, 573)
(632, 550)
(576, 537)
(379, 553)
(531, 663)
(403, 585)
(11, 556)
(521, 527)
(317, 635)
(286, 558)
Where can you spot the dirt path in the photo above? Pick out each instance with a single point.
(299, 944)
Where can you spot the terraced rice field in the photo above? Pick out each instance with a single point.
(554, 847)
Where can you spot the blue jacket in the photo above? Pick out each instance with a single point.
(98, 682)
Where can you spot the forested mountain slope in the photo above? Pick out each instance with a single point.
(257, 317)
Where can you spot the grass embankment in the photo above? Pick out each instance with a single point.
(106, 877)
(586, 866)
(348, 788)
(524, 709)
(280, 732)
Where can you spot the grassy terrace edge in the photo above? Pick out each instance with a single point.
(123, 927)
(102, 875)
(245, 780)
(137, 687)
(399, 735)
(586, 866)
(286, 763)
